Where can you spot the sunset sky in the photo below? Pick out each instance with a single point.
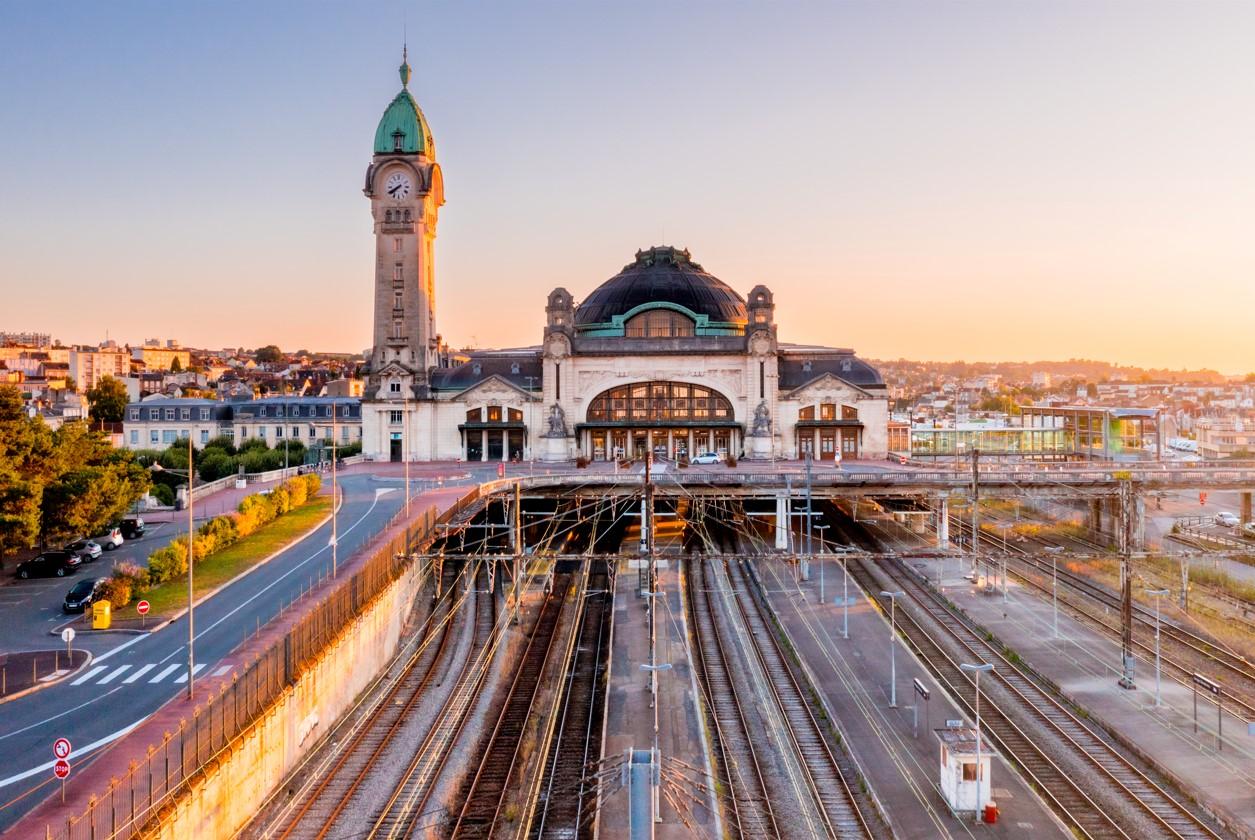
(934, 180)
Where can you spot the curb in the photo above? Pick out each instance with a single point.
(180, 613)
(88, 661)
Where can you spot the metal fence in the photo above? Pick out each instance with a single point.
(151, 784)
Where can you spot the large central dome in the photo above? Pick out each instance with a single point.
(663, 275)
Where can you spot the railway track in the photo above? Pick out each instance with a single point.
(825, 778)
(485, 800)
(407, 804)
(1038, 711)
(374, 731)
(749, 805)
(562, 808)
(1211, 659)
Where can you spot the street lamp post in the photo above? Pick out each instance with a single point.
(191, 560)
(1158, 593)
(980, 776)
(893, 634)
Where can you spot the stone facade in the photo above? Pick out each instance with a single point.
(663, 357)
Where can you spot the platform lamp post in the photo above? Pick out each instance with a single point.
(1158, 593)
(845, 596)
(822, 544)
(191, 537)
(893, 636)
(976, 669)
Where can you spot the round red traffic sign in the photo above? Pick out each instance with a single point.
(61, 769)
(142, 608)
(61, 748)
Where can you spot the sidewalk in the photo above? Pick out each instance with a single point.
(1085, 667)
(853, 675)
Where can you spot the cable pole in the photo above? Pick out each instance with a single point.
(518, 546)
(810, 545)
(1125, 540)
(975, 509)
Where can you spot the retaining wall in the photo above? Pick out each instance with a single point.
(231, 789)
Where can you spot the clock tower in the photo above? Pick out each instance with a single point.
(406, 190)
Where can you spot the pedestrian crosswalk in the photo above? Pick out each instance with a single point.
(129, 674)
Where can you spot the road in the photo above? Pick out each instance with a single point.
(132, 676)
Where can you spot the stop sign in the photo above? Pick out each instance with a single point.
(142, 608)
(61, 768)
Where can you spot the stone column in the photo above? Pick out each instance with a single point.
(1095, 515)
(782, 523)
(483, 444)
(1244, 506)
(943, 522)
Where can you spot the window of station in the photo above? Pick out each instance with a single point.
(659, 401)
(494, 414)
(475, 415)
(659, 323)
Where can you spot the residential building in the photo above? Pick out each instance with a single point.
(89, 365)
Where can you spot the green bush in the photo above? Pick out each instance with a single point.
(224, 443)
(163, 494)
(168, 562)
(215, 464)
(252, 445)
(118, 591)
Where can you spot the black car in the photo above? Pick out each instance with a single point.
(48, 564)
(80, 595)
(132, 527)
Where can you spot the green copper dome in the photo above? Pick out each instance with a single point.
(403, 128)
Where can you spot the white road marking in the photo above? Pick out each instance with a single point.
(89, 675)
(220, 671)
(143, 669)
(120, 648)
(276, 581)
(165, 673)
(195, 670)
(113, 675)
(79, 754)
(55, 675)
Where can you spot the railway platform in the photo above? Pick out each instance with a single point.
(630, 720)
(1085, 665)
(898, 760)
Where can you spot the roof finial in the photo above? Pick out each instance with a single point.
(405, 66)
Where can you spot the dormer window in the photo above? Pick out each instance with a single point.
(477, 369)
(398, 140)
(806, 367)
(514, 368)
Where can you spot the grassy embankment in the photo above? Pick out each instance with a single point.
(221, 566)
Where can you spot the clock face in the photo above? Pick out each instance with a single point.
(397, 186)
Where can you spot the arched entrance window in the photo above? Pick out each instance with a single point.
(671, 419)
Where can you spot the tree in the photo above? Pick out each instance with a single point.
(269, 353)
(176, 366)
(108, 401)
(95, 485)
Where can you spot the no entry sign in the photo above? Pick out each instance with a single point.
(142, 608)
(61, 769)
(61, 748)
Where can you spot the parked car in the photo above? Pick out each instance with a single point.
(111, 538)
(1228, 520)
(49, 564)
(707, 458)
(89, 550)
(132, 527)
(80, 595)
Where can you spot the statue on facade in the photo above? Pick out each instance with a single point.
(761, 425)
(557, 422)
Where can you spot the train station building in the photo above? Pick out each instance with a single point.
(663, 357)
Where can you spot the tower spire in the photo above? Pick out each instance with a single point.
(405, 70)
